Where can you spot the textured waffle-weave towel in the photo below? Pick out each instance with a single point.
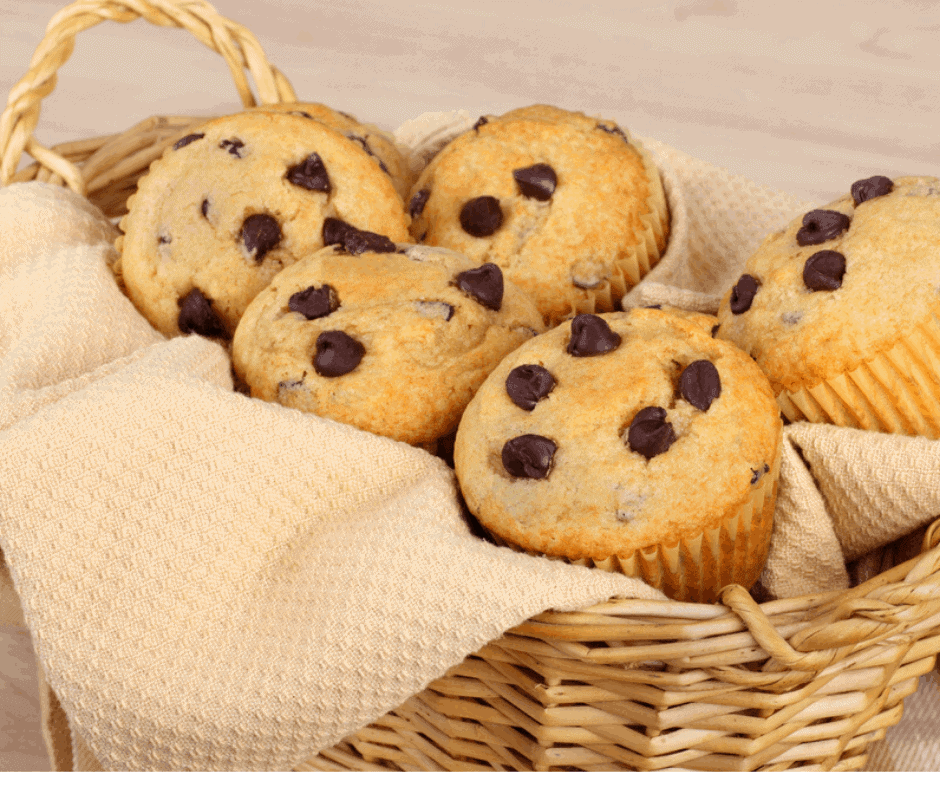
(216, 582)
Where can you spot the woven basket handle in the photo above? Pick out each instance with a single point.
(235, 43)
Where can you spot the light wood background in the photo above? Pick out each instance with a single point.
(805, 96)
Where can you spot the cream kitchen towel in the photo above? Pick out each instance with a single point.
(216, 582)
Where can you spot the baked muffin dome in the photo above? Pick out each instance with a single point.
(840, 309)
(571, 208)
(392, 339)
(635, 442)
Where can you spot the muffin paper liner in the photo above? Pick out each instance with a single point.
(896, 391)
(697, 568)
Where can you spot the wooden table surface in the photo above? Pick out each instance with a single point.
(805, 96)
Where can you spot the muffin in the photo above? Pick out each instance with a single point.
(392, 340)
(840, 309)
(633, 442)
(377, 143)
(571, 208)
(235, 201)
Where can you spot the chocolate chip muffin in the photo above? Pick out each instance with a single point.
(234, 202)
(633, 442)
(840, 309)
(393, 340)
(377, 143)
(570, 207)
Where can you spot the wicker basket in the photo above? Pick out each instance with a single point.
(803, 683)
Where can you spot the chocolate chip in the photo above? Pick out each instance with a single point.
(198, 317)
(362, 141)
(875, 186)
(260, 234)
(481, 216)
(529, 456)
(742, 294)
(821, 225)
(613, 129)
(757, 473)
(824, 270)
(353, 240)
(184, 141)
(700, 384)
(650, 434)
(337, 354)
(538, 181)
(418, 201)
(314, 302)
(591, 336)
(528, 384)
(715, 329)
(361, 241)
(233, 146)
(484, 285)
(334, 231)
(481, 121)
(310, 174)
(205, 208)
(163, 238)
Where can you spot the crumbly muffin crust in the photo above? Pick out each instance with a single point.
(827, 293)
(429, 325)
(570, 207)
(600, 494)
(234, 202)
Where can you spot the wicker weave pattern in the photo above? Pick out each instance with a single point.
(116, 163)
(805, 683)
(802, 683)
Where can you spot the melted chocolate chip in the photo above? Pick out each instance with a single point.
(481, 121)
(314, 302)
(538, 181)
(824, 270)
(484, 285)
(233, 146)
(650, 434)
(821, 225)
(337, 354)
(310, 174)
(260, 234)
(481, 216)
(591, 336)
(184, 141)
(528, 384)
(742, 294)
(757, 473)
(418, 201)
(363, 241)
(529, 456)
(613, 129)
(205, 208)
(353, 240)
(700, 384)
(198, 317)
(869, 188)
